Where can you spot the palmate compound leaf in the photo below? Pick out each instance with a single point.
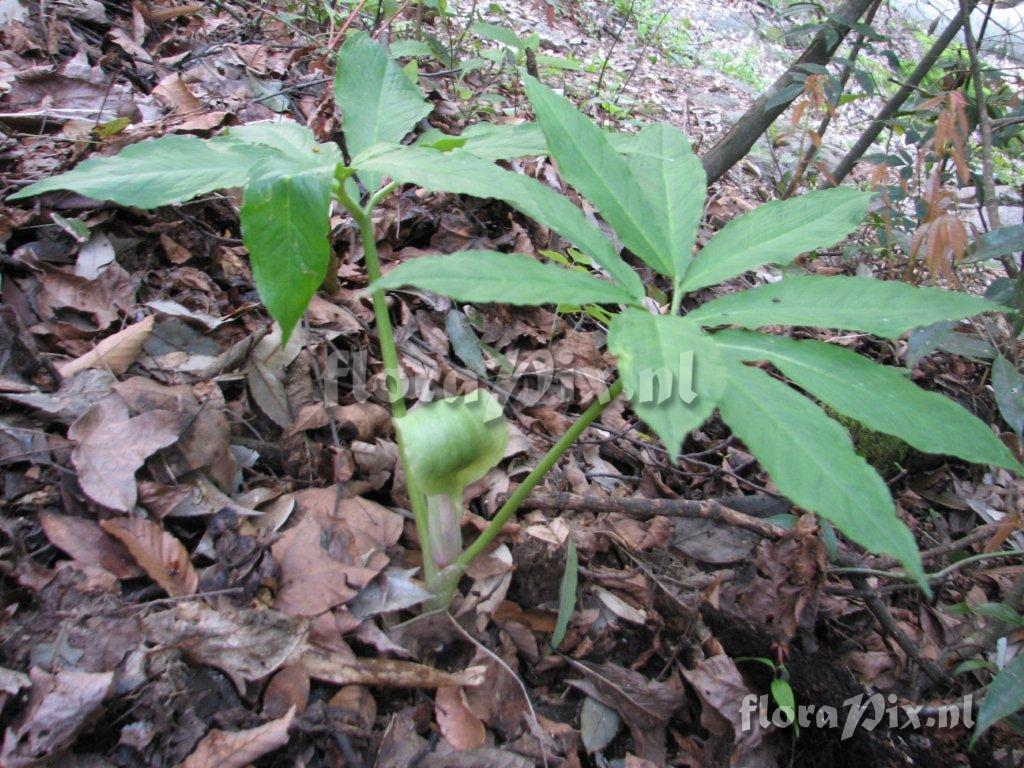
(449, 444)
(506, 278)
(778, 232)
(464, 174)
(377, 101)
(671, 371)
(157, 172)
(810, 458)
(879, 397)
(884, 308)
(589, 162)
(285, 227)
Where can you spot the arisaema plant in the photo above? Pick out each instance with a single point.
(676, 368)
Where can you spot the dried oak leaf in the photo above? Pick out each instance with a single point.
(164, 559)
(334, 551)
(59, 706)
(87, 543)
(245, 644)
(111, 447)
(236, 749)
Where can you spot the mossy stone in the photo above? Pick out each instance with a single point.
(883, 452)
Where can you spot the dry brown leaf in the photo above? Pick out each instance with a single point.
(288, 689)
(721, 689)
(313, 579)
(175, 94)
(59, 706)
(245, 644)
(338, 670)
(86, 542)
(359, 703)
(646, 705)
(458, 724)
(236, 749)
(114, 353)
(159, 554)
(111, 447)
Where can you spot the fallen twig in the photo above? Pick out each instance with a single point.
(709, 509)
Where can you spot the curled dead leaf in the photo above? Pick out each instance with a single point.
(114, 353)
(460, 727)
(236, 749)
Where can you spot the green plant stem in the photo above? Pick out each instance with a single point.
(389, 355)
(544, 466)
(937, 575)
(677, 301)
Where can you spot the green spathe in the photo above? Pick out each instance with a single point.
(449, 444)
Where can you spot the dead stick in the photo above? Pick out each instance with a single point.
(646, 508)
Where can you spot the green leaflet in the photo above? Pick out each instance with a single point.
(505, 278)
(296, 142)
(588, 161)
(778, 232)
(674, 184)
(811, 460)
(378, 103)
(1005, 696)
(285, 227)
(449, 444)
(879, 397)
(1009, 386)
(884, 308)
(157, 172)
(462, 173)
(671, 371)
(490, 141)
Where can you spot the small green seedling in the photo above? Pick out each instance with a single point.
(677, 369)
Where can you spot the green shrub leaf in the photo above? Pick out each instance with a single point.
(881, 398)
(588, 161)
(462, 173)
(671, 371)
(778, 232)
(887, 309)
(158, 172)
(503, 278)
(810, 459)
(1005, 697)
(285, 225)
(675, 185)
(377, 101)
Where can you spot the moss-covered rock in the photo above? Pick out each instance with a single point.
(883, 452)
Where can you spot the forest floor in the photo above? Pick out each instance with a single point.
(259, 604)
